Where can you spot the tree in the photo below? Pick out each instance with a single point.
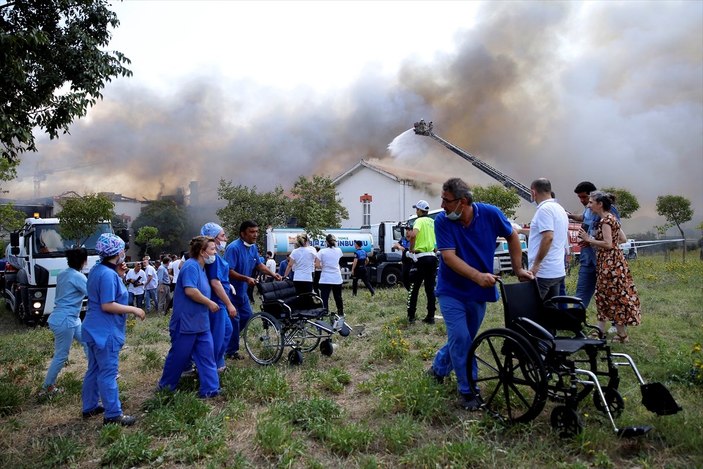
(80, 216)
(316, 205)
(53, 66)
(171, 221)
(625, 201)
(677, 211)
(505, 199)
(245, 203)
(10, 219)
(148, 236)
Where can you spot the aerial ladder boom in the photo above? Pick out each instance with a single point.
(423, 128)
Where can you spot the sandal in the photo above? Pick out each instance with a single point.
(620, 339)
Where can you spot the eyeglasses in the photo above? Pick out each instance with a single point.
(449, 201)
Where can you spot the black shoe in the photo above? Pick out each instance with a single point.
(432, 374)
(124, 420)
(429, 320)
(92, 413)
(411, 319)
(470, 402)
(235, 356)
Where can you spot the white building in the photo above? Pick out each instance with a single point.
(373, 191)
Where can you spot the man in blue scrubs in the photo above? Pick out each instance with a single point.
(242, 255)
(466, 235)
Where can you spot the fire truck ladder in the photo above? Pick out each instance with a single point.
(423, 128)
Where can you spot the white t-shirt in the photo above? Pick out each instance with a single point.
(329, 261)
(139, 279)
(154, 282)
(550, 216)
(304, 263)
(271, 265)
(175, 266)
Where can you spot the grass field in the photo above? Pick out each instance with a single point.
(368, 405)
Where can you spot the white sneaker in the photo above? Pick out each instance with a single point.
(612, 330)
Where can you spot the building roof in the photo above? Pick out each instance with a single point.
(395, 172)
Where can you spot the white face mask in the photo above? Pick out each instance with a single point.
(453, 216)
(247, 244)
(210, 259)
(221, 246)
(121, 259)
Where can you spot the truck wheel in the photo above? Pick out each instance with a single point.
(21, 311)
(391, 276)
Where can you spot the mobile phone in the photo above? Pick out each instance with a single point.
(584, 226)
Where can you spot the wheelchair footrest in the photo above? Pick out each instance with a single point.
(325, 326)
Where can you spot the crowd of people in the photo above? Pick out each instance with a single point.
(207, 288)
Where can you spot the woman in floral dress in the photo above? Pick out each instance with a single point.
(616, 297)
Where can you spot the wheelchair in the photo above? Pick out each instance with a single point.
(543, 354)
(289, 320)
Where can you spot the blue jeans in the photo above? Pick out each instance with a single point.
(150, 298)
(244, 312)
(100, 380)
(63, 337)
(586, 285)
(463, 320)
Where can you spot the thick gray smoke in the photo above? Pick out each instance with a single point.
(607, 92)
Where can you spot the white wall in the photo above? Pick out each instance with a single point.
(392, 200)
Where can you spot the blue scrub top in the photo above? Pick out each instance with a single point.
(71, 288)
(361, 255)
(190, 317)
(104, 286)
(475, 245)
(243, 260)
(219, 270)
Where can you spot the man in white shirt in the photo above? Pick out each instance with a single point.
(136, 279)
(548, 239)
(270, 264)
(152, 284)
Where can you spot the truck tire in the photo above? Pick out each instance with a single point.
(391, 276)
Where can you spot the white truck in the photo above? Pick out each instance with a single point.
(377, 240)
(35, 257)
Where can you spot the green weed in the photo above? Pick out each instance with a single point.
(130, 450)
(151, 360)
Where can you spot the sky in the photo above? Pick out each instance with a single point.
(260, 93)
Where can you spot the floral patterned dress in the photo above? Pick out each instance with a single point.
(616, 296)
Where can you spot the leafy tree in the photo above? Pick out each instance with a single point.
(10, 219)
(316, 205)
(245, 203)
(80, 216)
(505, 199)
(677, 211)
(171, 221)
(53, 66)
(625, 201)
(148, 236)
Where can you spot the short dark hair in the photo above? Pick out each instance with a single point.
(246, 224)
(459, 188)
(76, 258)
(584, 186)
(542, 186)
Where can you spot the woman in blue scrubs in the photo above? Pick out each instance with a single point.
(218, 276)
(104, 331)
(190, 322)
(64, 321)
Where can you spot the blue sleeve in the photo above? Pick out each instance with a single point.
(503, 225)
(230, 257)
(443, 234)
(80, 283)
(614, 211)
(211, 271)
(190, 276)
(107, 288)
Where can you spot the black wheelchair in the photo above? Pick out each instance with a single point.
(544, 353)
(289, 320)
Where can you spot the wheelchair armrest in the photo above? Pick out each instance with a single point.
(306, 301)
(275, 307)
(565, 300)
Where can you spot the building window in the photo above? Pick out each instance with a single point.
(365, 200)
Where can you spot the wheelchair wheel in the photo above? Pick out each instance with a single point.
(566, 421)
(613, 399)
(295, 357)
(263, 339)
(302, 336)
(511, 378)
(326, 347)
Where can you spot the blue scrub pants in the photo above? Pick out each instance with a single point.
(244, 312)
(586, 285)
(63, 337)
(199, 347)
(463, 319)
(100, 382)
(221, 329)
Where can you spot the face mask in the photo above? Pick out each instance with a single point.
(210, 259)
(121, 259)
(247, 244)
(221, 246)
(453, 216)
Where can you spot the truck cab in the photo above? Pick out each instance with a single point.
(35, 256)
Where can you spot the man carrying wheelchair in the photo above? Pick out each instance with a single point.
(466, 233)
